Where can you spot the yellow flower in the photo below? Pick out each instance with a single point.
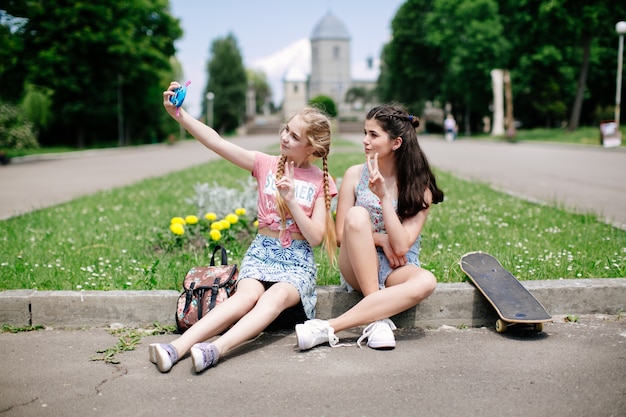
(177, 229)
(217, 225)
(215, 235)
(231, 218)
(256, 224)
(191, 219)
(240, 212)
(225, 224)
(177, 220)
(210, 216)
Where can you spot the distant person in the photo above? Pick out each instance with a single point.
(450, 128)
(278, 271)
(381, 211)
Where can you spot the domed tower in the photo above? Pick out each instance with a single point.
(330, 60)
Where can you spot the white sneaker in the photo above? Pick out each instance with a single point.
(152, 352)
(379, 335)
(315, 332)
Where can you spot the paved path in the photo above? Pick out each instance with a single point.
(580, 178)
(572, 369)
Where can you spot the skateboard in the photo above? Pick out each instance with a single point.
(511, 300)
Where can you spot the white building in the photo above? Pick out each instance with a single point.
(330, 71)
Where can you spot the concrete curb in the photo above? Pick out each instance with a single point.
(457, 304)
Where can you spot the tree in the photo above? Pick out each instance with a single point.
(12, 71)
(410, 64)
(560, 54)
(443, 50)
(360, 97)
(95, 57)
(228, 81)
(37, 106)
(258, 81)
(469, 36)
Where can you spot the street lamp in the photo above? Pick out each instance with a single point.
(620, 27)
(209, 108)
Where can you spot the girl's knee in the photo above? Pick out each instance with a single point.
(424, 283)
(356, 218)
(429, 282)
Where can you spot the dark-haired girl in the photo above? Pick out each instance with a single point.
(382, 208)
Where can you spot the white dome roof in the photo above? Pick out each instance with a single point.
(294, 74)
(330, 27)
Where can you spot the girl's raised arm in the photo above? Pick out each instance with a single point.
(239, 156)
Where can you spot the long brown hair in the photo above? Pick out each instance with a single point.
(317, 132)
(414, 175)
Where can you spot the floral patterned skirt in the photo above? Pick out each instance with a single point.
(268, 261)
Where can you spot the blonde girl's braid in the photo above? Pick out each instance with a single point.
(283, 210)
(330, 237)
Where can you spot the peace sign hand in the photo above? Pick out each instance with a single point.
(286, 183)
(376, 181)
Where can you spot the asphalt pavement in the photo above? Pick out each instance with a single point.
(570, 369)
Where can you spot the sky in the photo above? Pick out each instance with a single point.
(273, 35)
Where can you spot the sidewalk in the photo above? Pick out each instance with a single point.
(445, 364)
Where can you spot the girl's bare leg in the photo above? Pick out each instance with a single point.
(249, 292)
(274, 301)
(406, 287)
(358, 260)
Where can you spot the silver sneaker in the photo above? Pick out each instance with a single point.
(163, 355)
(379, 335)
(315, 332)
(204, 355)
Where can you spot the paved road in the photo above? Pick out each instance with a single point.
(580, 178)
(571, 369)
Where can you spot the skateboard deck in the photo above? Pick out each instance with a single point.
(511, 300)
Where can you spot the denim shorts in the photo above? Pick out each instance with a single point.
(385, 269)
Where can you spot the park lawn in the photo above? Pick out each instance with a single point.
(120, 239)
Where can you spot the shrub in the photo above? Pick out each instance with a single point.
(16, 133)
(325, 104)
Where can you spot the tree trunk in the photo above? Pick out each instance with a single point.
(80, 138)
(582, 81)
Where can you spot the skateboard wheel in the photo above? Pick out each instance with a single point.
(539, 327)
(501, 326)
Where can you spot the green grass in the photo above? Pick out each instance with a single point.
(583, 136)
(110, 240)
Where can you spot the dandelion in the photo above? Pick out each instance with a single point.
(231, 218)
(215, 235)
(256, 224)
(240, 211)
(210, 216)
(177, 220)
(191, 219)
(217, 226)
(177, 228)
(225, 224)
